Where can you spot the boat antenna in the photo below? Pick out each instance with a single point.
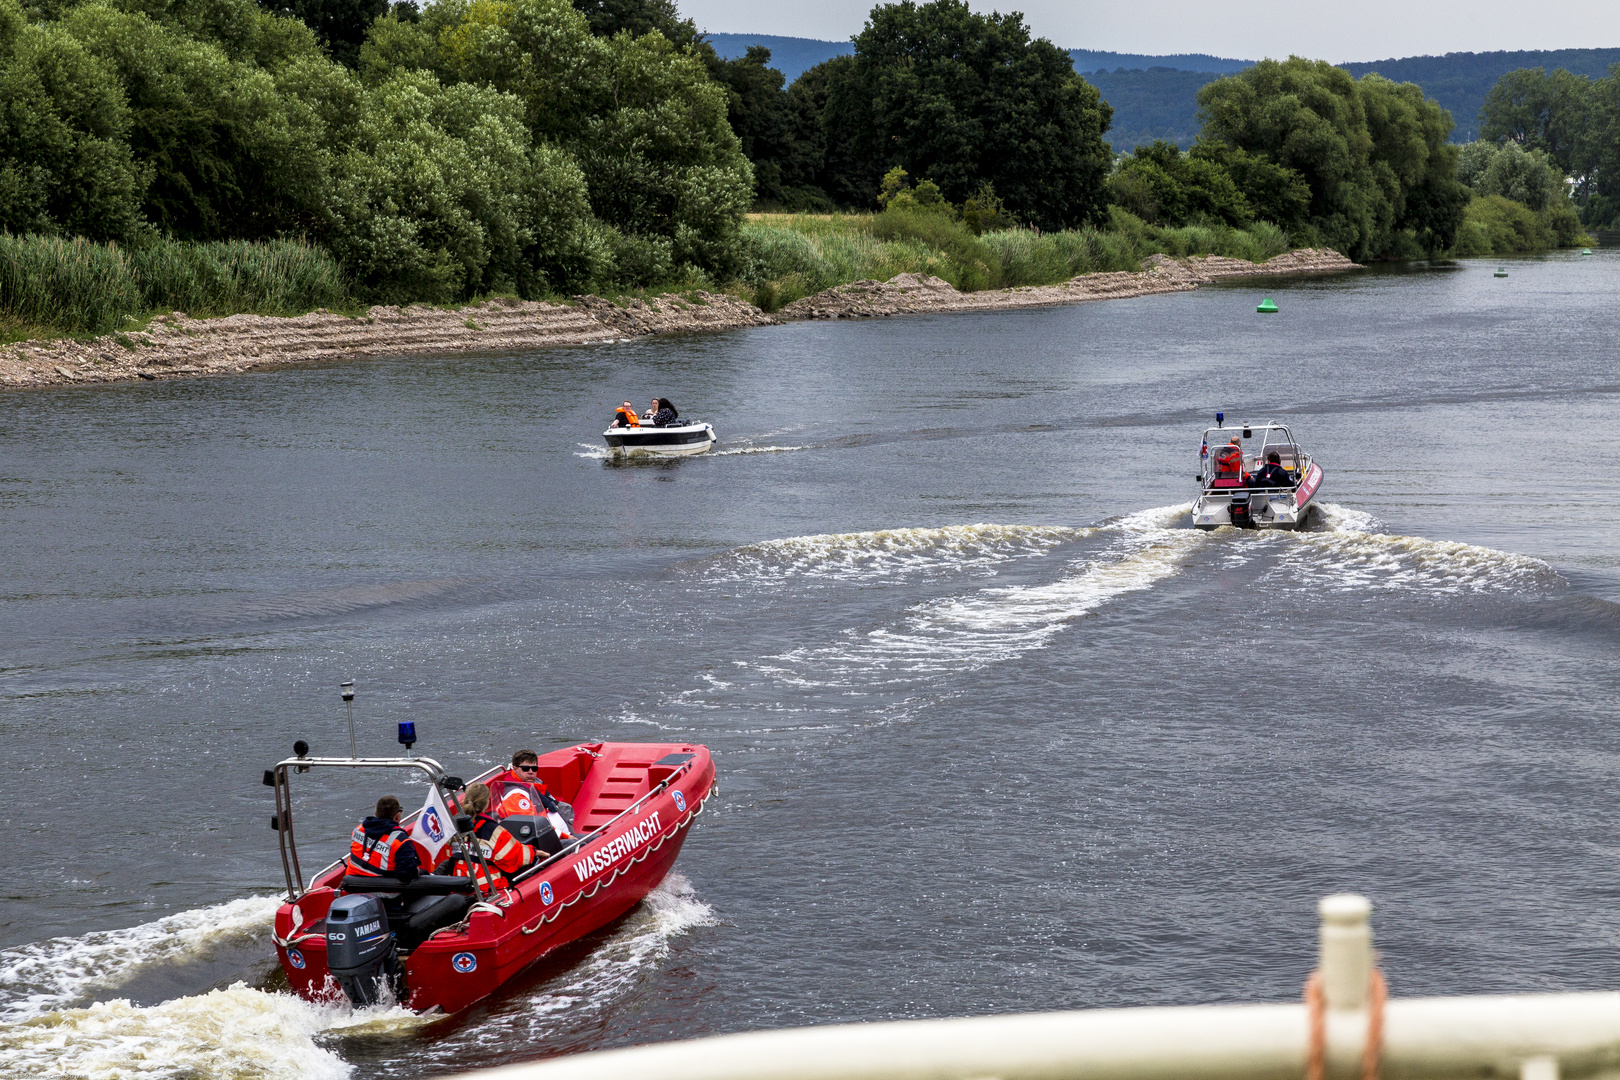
(1220, 419)
(348, 702)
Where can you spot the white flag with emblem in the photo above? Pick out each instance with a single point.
(432, 830)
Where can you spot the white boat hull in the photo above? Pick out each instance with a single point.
(675, 439)
(1269, 508)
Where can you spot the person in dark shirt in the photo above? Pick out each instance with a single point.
(663, 412)
(1273, 475)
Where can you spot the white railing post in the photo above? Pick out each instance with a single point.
(1346, 960)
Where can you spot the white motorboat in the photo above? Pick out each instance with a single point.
(1230, 461)
(685, 437)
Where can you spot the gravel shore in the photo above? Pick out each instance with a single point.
(177, 346)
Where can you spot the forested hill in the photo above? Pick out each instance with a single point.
(789, 55)
(793, 55)
(1156, 97)
(1460, 81)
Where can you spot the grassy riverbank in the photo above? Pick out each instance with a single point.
(795, 255)
(54, 287)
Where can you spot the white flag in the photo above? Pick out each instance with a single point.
(432, 829)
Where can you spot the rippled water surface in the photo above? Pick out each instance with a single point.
(994, 729)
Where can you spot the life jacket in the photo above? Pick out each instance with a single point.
(502, 852)
(628, 416)
(1229, 459)
(375, 856)
(515, 795)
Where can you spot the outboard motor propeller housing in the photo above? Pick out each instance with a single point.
(1241, 515)
(360, 948)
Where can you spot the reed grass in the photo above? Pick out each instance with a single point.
(788, 256)
(77, 286)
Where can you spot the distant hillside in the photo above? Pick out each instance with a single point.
(1159, 103)
(1086, 60)
(789, 55)
(1460, 81)
(1156, 97)
(792, 55)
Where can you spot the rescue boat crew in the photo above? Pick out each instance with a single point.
(504, 853)
(1229, 460)
(380, 848)
(1273, 475)
(520, 781)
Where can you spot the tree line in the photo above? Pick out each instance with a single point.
(544, 146)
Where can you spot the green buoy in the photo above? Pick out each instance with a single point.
(1501, 271)
(1586, 251)
(1268, 306)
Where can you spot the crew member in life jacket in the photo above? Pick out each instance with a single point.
(380, 848)
(1229, 463)
(625, 416)
(504, 853)
(1273, 475)
(518, 787)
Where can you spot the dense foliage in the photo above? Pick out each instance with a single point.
(479, 146)
(1372, 153)
(961, 99)
(1574, 121)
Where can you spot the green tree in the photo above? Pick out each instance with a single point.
(340, 25)
(1163, 186)
(1371, 152)
(1540, 111)
(1527, 176)
(606, 18)
(965, 98)
(642, 118)
(228, 154)
(65, 164)
(778, 132)
(442, 194)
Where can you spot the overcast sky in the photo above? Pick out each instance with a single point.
(1246, 29)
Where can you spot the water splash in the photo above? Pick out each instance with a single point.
(888, 552)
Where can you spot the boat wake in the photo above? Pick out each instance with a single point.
(998, 624)
(47, 975)
(756, 450)
(866, 556)
(48, 1028)
(1350, 553)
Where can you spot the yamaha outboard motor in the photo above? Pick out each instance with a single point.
(1241, 517)
(360, 947)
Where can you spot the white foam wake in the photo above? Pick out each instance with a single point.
(757, 450)
(238, 1032)
(889, 552)
(228, 1034)
(49, 974)
(998, 624)
(1352, 555)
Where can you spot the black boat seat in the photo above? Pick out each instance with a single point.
(425, 885)
(425, 914)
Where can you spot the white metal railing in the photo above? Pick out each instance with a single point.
(1528, 1036)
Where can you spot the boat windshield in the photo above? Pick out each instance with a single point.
(509, 797)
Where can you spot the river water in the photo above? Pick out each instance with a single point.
(994, 729)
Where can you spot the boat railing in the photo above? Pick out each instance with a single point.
(576, 846)
(1344, 1028)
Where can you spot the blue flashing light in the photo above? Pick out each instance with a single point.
(407, 733)
(1220, 419)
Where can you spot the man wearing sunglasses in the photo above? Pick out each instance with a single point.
(520, 785)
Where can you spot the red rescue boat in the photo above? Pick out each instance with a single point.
(441, 943)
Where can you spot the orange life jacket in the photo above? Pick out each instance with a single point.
(502, 852)
(628, 416)
(375, 857)
(1229, 459)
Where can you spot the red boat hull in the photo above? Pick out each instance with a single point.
(576, 894)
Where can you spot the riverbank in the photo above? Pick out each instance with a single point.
(177, 346)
